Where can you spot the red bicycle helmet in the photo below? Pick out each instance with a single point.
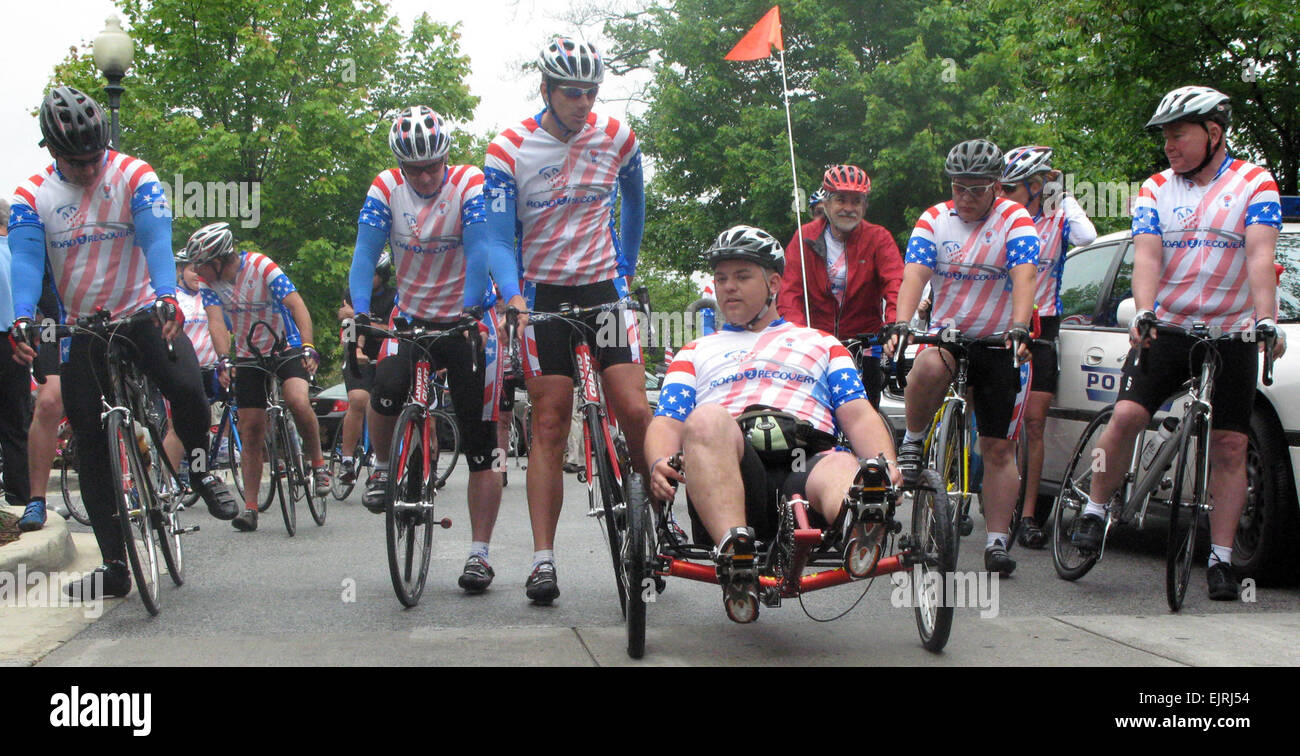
(846, 178)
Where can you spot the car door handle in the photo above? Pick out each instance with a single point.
(1093, 356)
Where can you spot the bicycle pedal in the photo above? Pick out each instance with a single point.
(188, 529)
(741, 604)
(967, 525)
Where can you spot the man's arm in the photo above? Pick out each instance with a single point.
(631, 185)
(217, 328)
(789, 299)
(889, 271)
(1261, 245)
(866, 429)
(663, 438)
(1147, 254)
(301, 316)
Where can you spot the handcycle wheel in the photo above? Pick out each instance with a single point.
(409, 514)
(132, 495)
(445, 435)
(67, 470)
(338, 488)
(638, 555)
(1070, 562)
(612, 500)
(1181, 548)
(948, 459)
(274, 470)
(277, 438)
(935, 538)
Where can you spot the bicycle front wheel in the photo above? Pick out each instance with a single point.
(274, 470)
(68, 479)
(1076, 482)
(1185, 512)
(446, 437)
(638, 564)
(948, 458)
(166, 498)
(1022, 469)
(935, 541)
(339, 488)
(281, 477)
(409, 515)
(304, 478)
(613, 502)
(132, 498)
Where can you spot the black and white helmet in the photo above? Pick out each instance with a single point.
(568, 59)
(1195, 104)
(975, 158)
(209, 243)
(747, 243)
(417, 135)
(1024, 162)
(72, 123)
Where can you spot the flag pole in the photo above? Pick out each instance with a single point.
(794, 177)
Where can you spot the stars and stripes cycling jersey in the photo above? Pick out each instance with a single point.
(1064, 229)
(1203, 234)
(196, 325)
(799, 370)
(972, 264)
(108, 245)
(557, 198)
(257, 293)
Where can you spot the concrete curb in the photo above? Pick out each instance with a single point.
(47, 550)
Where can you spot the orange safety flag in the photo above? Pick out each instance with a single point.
(759, 41)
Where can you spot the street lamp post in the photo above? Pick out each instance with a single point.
(114, 51)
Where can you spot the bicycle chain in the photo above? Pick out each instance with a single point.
(784, 542)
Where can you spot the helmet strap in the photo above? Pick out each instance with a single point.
(564, 128)
(1210, 150)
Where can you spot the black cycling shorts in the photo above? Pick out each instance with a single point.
(998, 389)
(250, 380)
(1168, 368)
(1046, 367)
(765, 484)
(393, 380)
(364, 382)
(49, 357)
(549, 346)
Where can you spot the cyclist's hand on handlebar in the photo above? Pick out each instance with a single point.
(23, 338)
(664, 480)
(1144, 319)
(310, 358)
(895, 338)
(170, 316)
(1266, 330)
(225, 371)
(1017, 338)
(521, 306)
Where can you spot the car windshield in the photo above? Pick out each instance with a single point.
(1288, 292)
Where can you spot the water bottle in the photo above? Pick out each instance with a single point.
(1168, 427)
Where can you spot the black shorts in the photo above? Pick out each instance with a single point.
(364, 382)
(1046, 365)
(549, 346)
(1168, 368)
(765, 483)
(251, 382)
(509, 386)
(49, 357)
(998, 389)
(393, 380)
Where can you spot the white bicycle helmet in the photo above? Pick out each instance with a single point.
(568, 59)
(209, 243)
(747, 243)
(1195, 104)
(1024, 162)
(418, 134)
(975, 158)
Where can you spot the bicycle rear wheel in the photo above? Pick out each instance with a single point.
(638, 564)
(282, 483)
(1022, 469)
(1185, 513)
(132, 497)
(613, 501)
(948, 459)
(446, 437)
(935, 538)
(409, 515)
(1076, 482)
(338, 487)
(235, 459)
(167, 497)
(67, 477)
(305, 479)
(274, 470)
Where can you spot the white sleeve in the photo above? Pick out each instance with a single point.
(1081, 229)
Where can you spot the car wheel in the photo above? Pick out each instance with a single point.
(1264, 545)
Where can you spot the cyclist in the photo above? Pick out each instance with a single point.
(382, 298)
(47, 415)
(431, 216)
(554, 181)
(246, 287)
(1184, 272)
(815, 207)
(853, 266)
(1061, 224)
(102, 220)
(216, 371)
(716, 383)
(980, 253)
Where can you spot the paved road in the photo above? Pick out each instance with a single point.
(324, 597)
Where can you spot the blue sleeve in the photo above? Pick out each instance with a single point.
(921, 251)
(365, 258)
(210, 298)
(282, 287)
(632, 214)
(153, 234)
(1146, 220)
(499, 193)
(1023, 250)
(27, 268)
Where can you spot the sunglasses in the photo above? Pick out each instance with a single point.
(1009, 188)
(974, 191)
(416, 170)
(574, 93)
(96, 160)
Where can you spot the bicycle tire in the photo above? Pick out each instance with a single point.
(339, 489)
(1070, 562)
(612, 499)
(1022, 469)
(167, 496)
(318, 506)
(444, 425)
(947, 456)
(935, 536)
(1181, 548)
(235, 460)
(132, 507)
(273, 471)
(409, 518)
(278, 453)
(638, 555)
(75, 505)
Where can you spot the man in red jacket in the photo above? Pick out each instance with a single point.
(853, 271)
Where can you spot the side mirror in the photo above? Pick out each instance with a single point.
(1126, 311)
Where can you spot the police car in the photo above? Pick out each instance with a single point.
(1097, 303)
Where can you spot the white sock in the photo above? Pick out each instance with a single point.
(1094, 508)
(912, 437)
(544, 555)
(480, 548)
(1220, 554)
(999, 539)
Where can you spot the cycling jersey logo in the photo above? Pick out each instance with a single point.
(554, 175)
(441, 208)
(1226, 200)
(951, 249)
(988, 237)
(70, 215)
(593, 156)
(1184, 213)
(107, 191)
(739, 355)
(413, 222)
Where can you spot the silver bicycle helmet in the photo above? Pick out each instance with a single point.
(209, 243)
(975, 158)
(568, 59)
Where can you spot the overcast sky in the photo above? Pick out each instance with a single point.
(496, 34)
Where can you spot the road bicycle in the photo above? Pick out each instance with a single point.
(65, 454)
(291, 479)
(147, 491)
(1184, 448)
(363, 458)
(225, 449)
(425, 447)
